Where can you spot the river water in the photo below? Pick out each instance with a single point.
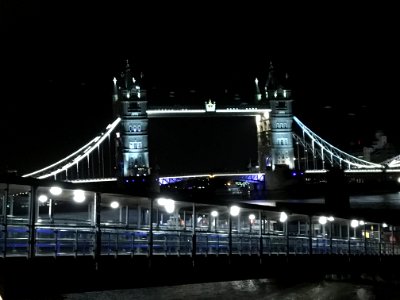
(255, 289)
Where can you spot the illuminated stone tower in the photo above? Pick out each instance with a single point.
(281, 117)
(130, 104)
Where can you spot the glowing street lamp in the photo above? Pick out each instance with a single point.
(169, 204)
(55, 190)
(322, 220)
(43, 198)
(283, 217)
(354, 224)
(114, 204)
(214, 213)
(234, 210)
(79, 196)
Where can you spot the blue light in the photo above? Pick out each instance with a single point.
(133, 180)
(294, 174)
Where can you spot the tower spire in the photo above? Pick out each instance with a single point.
(258, 93)
(272, 81)
(115, 90)
(128, 78)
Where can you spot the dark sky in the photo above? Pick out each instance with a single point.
(57, 64)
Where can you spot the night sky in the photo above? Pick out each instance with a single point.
(57, 65)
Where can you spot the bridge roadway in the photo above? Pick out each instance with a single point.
(65, 246)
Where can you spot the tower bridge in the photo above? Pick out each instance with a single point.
(283, 141)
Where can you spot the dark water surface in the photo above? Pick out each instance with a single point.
(252, 289)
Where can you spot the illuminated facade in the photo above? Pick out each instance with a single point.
(130, 104)
(281, 118)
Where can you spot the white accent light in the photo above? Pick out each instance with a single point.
(331, 219)
(214, 213)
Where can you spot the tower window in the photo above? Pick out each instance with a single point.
(135, 145)
(281, 105)
(134, 128)
(282, 141)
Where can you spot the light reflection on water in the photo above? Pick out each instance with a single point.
(390, 200)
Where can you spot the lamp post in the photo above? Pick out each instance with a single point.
(331, 219)
(214, 214)
(353, 224)
(252, 217)
(283, 219)
(233, 212)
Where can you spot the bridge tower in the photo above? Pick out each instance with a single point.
(130, 104)
(278, 95)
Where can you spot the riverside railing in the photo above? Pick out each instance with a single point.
(36, 222)
(81, 241)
